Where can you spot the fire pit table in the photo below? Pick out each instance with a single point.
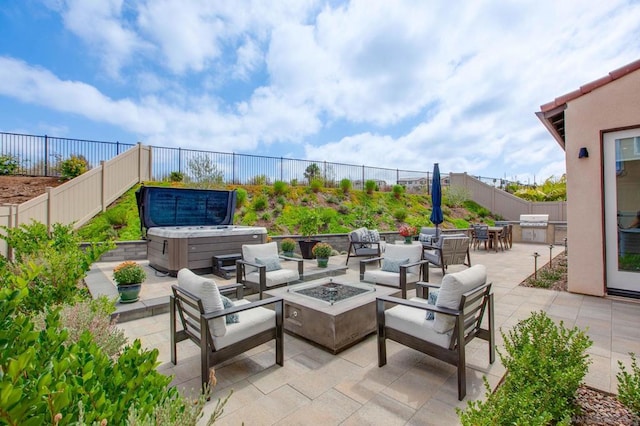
(331, 312)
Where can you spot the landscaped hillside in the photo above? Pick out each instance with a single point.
(281, 208)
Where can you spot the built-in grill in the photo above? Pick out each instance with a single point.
(534, 227)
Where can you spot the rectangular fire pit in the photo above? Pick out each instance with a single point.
(331, 312)
(331, 292)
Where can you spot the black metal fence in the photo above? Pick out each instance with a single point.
(41, 155)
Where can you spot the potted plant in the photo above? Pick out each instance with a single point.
(308, 226)
(322, 251)
(129, 277)
(288, 245)
(407, 231)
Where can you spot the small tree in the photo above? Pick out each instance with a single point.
(312, 172)
(205, 173)
(73, 167)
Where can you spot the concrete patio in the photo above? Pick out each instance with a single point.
(317, 387)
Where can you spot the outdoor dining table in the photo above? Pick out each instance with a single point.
(494, 234)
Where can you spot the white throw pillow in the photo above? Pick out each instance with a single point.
(207, 290)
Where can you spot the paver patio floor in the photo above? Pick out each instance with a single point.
(316, 387)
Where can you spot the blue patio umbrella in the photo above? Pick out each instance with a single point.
(436, 199)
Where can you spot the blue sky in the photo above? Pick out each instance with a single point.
(399, 84)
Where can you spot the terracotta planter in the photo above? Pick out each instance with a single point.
(129, 293)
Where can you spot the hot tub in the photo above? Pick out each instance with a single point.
(185, 228)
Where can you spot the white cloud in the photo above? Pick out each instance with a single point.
(395, 84)
(100, 25)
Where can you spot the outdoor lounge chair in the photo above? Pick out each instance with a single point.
(221, 333)
(401, 265)
(364, 242)
(458, 310)
(260, 267)
(449, 250)
(427, 235)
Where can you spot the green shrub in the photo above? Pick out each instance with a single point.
(343, 209)
(288, 244)
(345, 185)
(397, 190)
(280, 187)
(400, 214)
(546, 364)
(629, 385)
(332, 199)
(266, 216)
(260, 203)
(258, 180)
(455, 196)
(59, 373)
(92, 315)
(176, 176)
(370, 186)
(117, 218)
(73, 167)
(58, 255)
(241, 197)
(9, 164)
(316, 185)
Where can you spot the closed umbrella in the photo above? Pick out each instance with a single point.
(436, 199)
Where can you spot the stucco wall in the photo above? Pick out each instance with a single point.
(610, 107)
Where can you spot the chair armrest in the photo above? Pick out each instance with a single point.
(236, 288)
(245, 307)
(421, 285)
(289, 258)
(409, 265)
(363, 265)
(295, 259)
(418, 305)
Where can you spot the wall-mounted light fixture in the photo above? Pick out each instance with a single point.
(583, 152)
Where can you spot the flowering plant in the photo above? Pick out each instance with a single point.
(407, 230)
(128, 272)
(322, 250)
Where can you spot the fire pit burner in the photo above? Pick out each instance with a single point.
(331, 292)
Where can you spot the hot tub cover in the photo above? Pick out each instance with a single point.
(162, 206)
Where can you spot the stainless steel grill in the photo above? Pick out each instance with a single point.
(534, 220)
(534, 227)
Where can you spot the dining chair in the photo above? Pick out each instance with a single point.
(481, 235)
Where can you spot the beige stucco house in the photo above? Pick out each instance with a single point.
(598, 126)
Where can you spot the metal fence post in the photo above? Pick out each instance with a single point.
(46, 155)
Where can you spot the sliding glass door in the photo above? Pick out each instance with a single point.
(622, 207)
